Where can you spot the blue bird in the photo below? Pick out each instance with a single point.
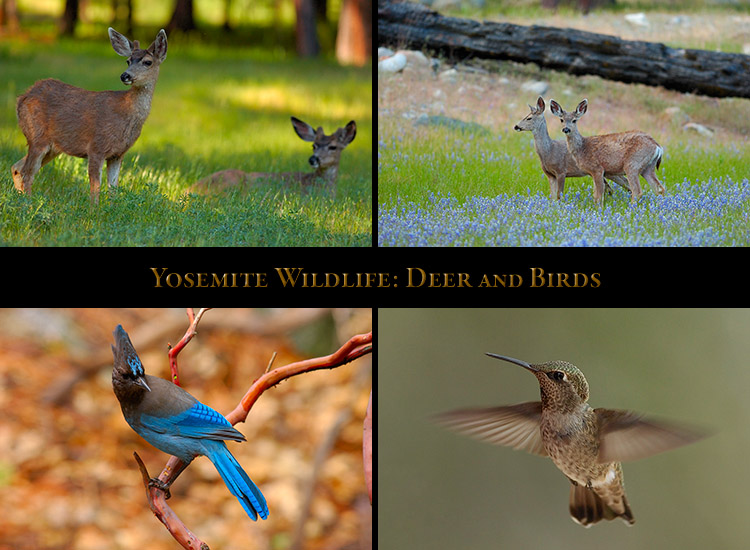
(177, 423)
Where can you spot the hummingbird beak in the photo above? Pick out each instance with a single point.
(523, 364)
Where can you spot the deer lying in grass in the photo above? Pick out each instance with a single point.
(557, 162)
(632, 153)
(325, 160)
(59, 118)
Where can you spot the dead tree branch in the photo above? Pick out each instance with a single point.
(717, 74)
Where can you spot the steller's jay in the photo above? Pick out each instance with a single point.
(177, 423)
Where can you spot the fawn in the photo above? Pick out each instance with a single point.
(632, 153)
(325, 160)
(557, 162)
(59, 118)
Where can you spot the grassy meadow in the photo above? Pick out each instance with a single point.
(441, 183)
(216, 106)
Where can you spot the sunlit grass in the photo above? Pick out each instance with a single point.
(210, 112)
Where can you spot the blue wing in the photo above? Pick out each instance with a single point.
(199, 421)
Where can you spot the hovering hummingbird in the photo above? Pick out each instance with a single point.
(586, 444)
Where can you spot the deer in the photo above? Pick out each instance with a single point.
(60, 118)
(557, 162)
(325, 160)
(633, 153)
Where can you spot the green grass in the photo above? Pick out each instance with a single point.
(215, 107)
(442, 186)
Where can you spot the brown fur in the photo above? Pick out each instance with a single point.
(59, 118)
(557, 162)
(632, 153)
(326, 156)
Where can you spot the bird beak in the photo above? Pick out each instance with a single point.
(523, 364)
(142, 383)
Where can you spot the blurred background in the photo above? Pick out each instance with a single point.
(307, 27)
(68, 479)
(442, 490)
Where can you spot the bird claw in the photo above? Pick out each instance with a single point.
(159, 484)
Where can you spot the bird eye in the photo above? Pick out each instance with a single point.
(556, 375)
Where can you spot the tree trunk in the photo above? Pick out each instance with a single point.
(576, 52)
(69, 18)
(9, 15)
(354, 40)
(182, 17)
(227, 11)
(307, 33)
(122, 11)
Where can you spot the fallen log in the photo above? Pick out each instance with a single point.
(717, 74)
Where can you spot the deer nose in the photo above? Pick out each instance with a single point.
(566, 130)
(516, 128)
(314, 161)
(126, 78)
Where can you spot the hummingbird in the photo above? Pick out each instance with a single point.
(587, 445)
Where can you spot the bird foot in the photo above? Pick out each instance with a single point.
(159, 484)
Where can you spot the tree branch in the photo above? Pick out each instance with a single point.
(157, 490)
(189, 333)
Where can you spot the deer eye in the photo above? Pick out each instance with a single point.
(331, 147)
(147, 63)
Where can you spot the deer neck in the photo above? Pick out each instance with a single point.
(542, 141)
(575, 141)
(139, 100)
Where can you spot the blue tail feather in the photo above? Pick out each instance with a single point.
(237, 481)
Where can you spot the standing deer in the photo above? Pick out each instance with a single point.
(59, 118)
(632, 153)
(557, 162)
(325, 160)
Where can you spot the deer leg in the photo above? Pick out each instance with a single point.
(653, 181)
(113, 170)
(552, 187)
(621, 181)
(635, 186)
(607, 189)
(598, 187)
(95, 176)
(31, 165)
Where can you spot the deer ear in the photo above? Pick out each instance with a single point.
(120, 43)
(303, 129)
(540, 103)
(555, 108)
(158, 47)
(582, 107)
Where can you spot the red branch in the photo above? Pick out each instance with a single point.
(189, 333)
(356, 347)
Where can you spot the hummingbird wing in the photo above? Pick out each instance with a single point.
(626, 435)
(516, 426)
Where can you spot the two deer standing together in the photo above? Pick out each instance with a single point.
(59, 118)
(611, 156)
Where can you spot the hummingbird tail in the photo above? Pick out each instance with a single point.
(587, 508)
